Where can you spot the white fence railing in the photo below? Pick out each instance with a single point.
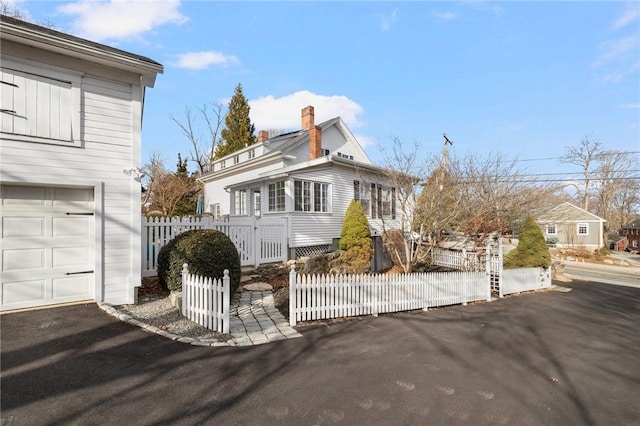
(313, 297)
(206, 300)
(258, 240)
(488, 260)
(524, 279)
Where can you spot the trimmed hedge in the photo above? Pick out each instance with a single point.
(532, 250)
(355, 239)
(207, 252)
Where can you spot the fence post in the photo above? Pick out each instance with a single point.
(292, 295)
(226, 299)
(185, 289)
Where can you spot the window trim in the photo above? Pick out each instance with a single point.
(305, 196)
(276, 197)
(580, 225)
(549, 226)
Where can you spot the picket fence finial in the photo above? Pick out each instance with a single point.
(185, 268)
(226, 273)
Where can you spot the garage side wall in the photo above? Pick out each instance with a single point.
(110, 104)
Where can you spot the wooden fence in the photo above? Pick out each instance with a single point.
(258, 240)
(206, 300)
(313, 297)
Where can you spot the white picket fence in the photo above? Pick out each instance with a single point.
(206, 300)
(524, 279)
(258, 240)
(314, 297)
(489, 261)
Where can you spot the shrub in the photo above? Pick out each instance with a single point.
(603, 251)
(207, 252)
(355, 240)
(532, 250)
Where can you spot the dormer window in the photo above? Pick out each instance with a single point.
(236, 159)
(252, 153)
(345, 156)
(223, 164)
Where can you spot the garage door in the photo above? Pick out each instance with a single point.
(47, 244)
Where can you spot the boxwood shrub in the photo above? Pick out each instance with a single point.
(207, 252)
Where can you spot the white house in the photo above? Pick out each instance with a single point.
(308, 176)
(69, 167)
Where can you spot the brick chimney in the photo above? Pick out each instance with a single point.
(307, 118)
(263, 135)
(315, 142)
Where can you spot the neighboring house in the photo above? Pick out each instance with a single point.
(616, 242)
(308, 176)
(572, 227)
(69, 170)
(632, 231)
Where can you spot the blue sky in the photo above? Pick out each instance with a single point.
(525, 79)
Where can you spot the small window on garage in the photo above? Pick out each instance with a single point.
(39, 106)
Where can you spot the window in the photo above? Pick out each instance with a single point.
(321, 197)
(311, 196)
(256, 203)
(276, 196)
(377, 200)
(302, 191)
(583, 229)
(252, 153)
(223, 164)
(240, 197)
(634, 243)
(325, 152)
(551, 229)
(215, 210)
(347, 156)
(236, 159)
(40, 108)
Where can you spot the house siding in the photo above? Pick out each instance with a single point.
(111, 129)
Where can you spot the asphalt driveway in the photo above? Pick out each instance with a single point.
(552, 358)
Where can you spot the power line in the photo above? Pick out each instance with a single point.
(561, 158)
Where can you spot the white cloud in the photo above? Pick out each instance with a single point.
(445, 16)
(629, 106)
(202, 60)
(612, 50)
(630, 14)
(121, 19)
(269, 112)
(388, 20)
(366, 141)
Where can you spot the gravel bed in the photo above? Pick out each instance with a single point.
(159, 312)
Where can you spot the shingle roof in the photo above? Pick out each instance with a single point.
(60, 35)
(567, 212)
(634, 224)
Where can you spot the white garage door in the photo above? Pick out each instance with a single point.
(47, 244)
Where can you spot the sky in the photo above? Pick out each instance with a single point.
(522, 79)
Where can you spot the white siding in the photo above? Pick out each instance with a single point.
(110, 137)
(310, 229)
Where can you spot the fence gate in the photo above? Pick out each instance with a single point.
(258, 240)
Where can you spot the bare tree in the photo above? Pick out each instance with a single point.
(404, 169)
(165, 190)
(202, 146)
(617, 185)
(585, 156)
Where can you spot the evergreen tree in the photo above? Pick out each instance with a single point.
(238, 131)
(355, 239)
(532, 250)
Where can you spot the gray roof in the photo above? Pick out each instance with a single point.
(567, 212)
(634, 224)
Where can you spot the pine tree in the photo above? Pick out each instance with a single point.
(355, 239)
(238, 131)
(532, 250)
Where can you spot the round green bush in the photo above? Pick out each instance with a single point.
(207, 252)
